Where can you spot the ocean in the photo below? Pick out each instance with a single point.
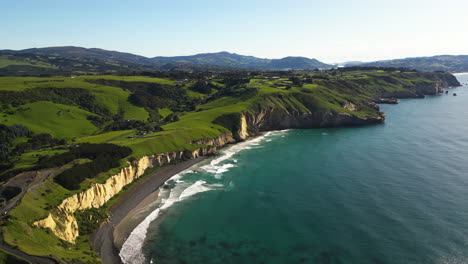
(384, 194)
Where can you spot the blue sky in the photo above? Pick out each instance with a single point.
(331, 31)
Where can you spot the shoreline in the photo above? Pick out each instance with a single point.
(131, 208)
(135, 205)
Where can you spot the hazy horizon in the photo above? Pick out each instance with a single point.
(333, 32)
(328, 62)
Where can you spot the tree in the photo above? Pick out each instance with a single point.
(296, 81)
(201, 86)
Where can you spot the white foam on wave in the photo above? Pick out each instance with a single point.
(215, 168)
(131, 252)
(197, 187)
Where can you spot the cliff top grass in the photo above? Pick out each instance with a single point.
(326, 91)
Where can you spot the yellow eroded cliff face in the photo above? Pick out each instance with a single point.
(61, 220)
(243, 134)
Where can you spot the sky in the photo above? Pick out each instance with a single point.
(329, 30)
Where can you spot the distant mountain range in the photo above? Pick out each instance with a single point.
(449, 63)
(99, 59)
(69, 59)
(233, 60)
(83, 53)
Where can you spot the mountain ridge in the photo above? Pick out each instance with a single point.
(450, 63)
(222, 59)
(101, 60)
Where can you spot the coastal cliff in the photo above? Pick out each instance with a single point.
(281, 114)
(61, 221)
(274, 119)
(439, 82)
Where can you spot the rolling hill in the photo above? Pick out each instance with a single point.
(100, 60)
(30, 64)
(234, 60)
(79, 52)
(449, 63)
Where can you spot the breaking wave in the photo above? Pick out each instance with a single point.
(132, 249)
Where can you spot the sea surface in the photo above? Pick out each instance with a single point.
(394, 193)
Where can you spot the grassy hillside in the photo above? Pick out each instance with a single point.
(78, 59)
(448, 63)
(7, 60)
(62, 121)
(233, 60)
(166, 117)
(325, 90)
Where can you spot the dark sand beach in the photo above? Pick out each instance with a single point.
(129, 210)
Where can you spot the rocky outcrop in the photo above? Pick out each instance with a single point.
(446, 80)
(351, 107)
(274, 119)
(386, 101)
(220, 141)
(419, 90)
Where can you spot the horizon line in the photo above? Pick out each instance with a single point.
(225, 51)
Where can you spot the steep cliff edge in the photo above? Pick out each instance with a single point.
(274, 119)
(61, 221)
(439, 81)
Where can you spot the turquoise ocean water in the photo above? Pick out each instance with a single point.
(383, 194)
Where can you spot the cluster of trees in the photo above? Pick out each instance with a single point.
(38, 141)
(147, 100)
(172, 117)
(229, 121)
(175, 75)
(124, 125)
(241, 91)
(9, 192)
(7, 135)
(133, 124)
(9, 150)
(297, 81)
(202, 86)
(79, 97)
(150, 95)
(153, 96)
(372, 68)
(103, 156)
(90, 219)
(233, 81)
